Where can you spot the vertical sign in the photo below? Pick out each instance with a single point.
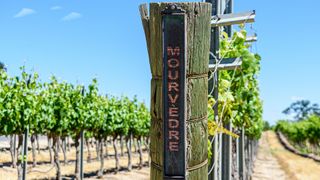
(174, 91)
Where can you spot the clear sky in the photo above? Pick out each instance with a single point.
(79, 40)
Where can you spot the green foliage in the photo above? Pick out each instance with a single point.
(239, 95)
(266, 126)
(18, 102)
(242, 104)
(142, 126)
(62, 109)
(6, 125)
(301, 132)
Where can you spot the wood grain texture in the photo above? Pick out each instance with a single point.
(198, 44)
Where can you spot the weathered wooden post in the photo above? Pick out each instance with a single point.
(178, 40)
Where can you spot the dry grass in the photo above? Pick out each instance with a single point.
(295, 166)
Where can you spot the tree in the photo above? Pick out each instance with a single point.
(24, 102)
(45, 113)
(77, 121)
(6, 112)
(57, 124)
(101, 127)
(2, 66)
(132, 119)
(302, 109)
(142, 128)
(117, 116)
(266, 126)
(59, 110)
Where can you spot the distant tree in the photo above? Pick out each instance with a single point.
(302, 109)
(266, 126)
(2, 66)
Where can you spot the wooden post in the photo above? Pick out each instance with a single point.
(197, 36)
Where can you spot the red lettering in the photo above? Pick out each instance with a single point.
(173, 85)
(173, 63)
(173, 123)
(173, 146)
(173, 112)
(174, 134)
(173, 52)
(173, 96)
(175, 77)
(174, 99)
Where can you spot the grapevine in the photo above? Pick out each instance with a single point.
(61, 110)
(239, 97)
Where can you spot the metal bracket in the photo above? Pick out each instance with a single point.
(227, 64)
(235, 18)
(252, 38)
(173, 9)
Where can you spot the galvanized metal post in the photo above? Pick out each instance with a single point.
(226, 154)
(227, 139)
(81, 154)
(242, 164)
(237, 157)
(229, 10)
(251, 156)
(25, 153)
(81, 143)
(248, 158)
(14, 147)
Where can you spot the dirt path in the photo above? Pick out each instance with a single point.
(296, 166)
(266, 165)
(275, 162)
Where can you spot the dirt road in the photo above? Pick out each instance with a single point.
(266, 165)
(275, 162)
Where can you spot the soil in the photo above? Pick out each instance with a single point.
(275, 162)
(44, 170)
(266, 165)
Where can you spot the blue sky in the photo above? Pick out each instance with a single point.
(79, 40)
